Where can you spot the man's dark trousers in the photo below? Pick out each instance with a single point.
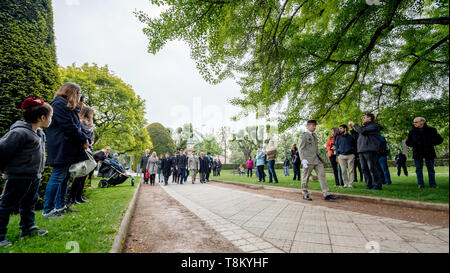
(400, 167)
(371, 170)
(419, 172)
(23, 193)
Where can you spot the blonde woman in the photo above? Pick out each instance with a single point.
(66, 145)
(152, 167)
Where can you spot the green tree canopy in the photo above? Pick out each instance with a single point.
(119, 112)
(161, 139)
(28, 65)
(209, 144)
(318, 59)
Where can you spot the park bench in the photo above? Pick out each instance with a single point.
(234, 172)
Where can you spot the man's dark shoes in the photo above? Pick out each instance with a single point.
(330, 197)
(33, 231)
(306, 197)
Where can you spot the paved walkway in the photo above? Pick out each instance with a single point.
(258, 223)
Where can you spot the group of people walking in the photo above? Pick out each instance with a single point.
(179, 166)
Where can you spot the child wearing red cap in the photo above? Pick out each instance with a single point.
(22, 163)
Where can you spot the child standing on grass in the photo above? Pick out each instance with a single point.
(23, 161)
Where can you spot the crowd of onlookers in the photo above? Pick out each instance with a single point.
(356, 148)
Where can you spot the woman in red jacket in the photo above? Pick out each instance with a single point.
(331, 147)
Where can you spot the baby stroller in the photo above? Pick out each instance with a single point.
(115, 176)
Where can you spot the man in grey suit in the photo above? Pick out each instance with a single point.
(308, 150)
(193, 165)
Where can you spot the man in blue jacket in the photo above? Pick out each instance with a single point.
(345, 149)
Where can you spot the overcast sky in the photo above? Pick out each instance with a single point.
(107, 32)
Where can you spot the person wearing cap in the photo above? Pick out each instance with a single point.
(22, 164)
(193, 165)
(309, 153)
(66, 145)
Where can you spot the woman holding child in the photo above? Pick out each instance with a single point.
(66, 145)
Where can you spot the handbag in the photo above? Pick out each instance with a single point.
(83, 168)
(147, 174)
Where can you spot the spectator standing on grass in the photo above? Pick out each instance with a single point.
(368, 145)
(214, 167)
(166, 167)
(260, 164)
(66, 145)
(422, 138)
(382, 159)
(203, 167)
(219, 167)
(295, 159)
(332, 155)
(23, 161)
(400, 161)
(309, 153)
(286, 164)
(193, 165)
(152, 167)
(271, 154)
(249, 167)
(345, 150)
(143, 164)
(87, 125)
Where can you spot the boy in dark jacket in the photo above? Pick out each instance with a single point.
(23, 161)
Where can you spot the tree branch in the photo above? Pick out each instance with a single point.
(425, 21)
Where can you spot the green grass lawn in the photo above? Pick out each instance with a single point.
(92, 229)
(402, 187)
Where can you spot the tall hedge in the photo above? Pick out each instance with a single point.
(161, 139)
(27, 56)
(28, 64)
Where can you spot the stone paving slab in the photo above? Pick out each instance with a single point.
(261, 224)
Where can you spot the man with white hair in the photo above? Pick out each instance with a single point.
(422, 138)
